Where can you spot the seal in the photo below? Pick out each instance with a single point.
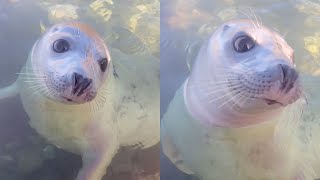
(222, 121)
(84, 102)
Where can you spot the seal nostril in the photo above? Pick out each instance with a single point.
(84, 85)
(283, 69)
(289, 76)
(77, 82)
(77, 78)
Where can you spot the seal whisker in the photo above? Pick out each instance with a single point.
(255, 25)
(231, 75)
(227, 80)
(276, 29)
(255, 17)
(219, 90)
(33, 82)
(226, 94)
(237, 101)
(221, 86)
(305, 97)
(226, 85)
(283, 36)
(230, 99)
(199, 84)
(46, 92)
(53, 69)
(38, 91)
(233, 69)
(212, 84)
(50, 92)
(101, 98)
(36, 86)
(243, 65)
(249, 19)
(106, 37)
(230, 84)
(228, 74)
(247, 98)
(94, 106)
(99, 102)
(34, 78)
(91, 106)
(217, 85)
(261, 23)
(29, 74)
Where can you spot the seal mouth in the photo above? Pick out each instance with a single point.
(68, 99)
(272, 102)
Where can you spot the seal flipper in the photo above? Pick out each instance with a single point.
(9, 91)
(100, 148)
(170, 150)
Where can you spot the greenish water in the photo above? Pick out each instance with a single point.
(131, 26)
(185, 24)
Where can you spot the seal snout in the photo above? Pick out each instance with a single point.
(80, 84)
(288, 77)
(286, 88)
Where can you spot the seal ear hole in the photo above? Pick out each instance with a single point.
(61, 46)
(103, 63)
(226, 27)
(55, 29)
(243, 44)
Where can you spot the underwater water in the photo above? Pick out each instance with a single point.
(129, 26)
(185, 24)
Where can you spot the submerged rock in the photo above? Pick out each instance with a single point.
(126, 41)
(311, 44)
(62, 12)
(103, 8)
(145, 23)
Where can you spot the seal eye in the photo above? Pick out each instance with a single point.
(103, 64)
(243, 44)
(61, 46)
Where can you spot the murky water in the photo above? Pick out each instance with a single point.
(185, 24)
(130, 26)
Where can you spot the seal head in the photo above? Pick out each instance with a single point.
(243, 75)
(72, 61)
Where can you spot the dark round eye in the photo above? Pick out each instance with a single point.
(243, 44)
(103, 64)
(61, 46)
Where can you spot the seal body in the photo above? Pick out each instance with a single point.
(223, 121)
(86, 106)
